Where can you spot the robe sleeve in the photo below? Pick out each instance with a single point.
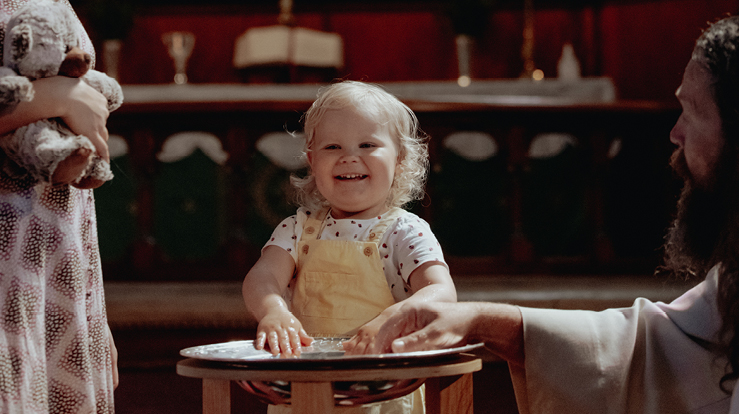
(648, 358)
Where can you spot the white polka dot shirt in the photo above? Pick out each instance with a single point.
(407, 244)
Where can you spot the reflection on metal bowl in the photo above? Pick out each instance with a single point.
(324, 354)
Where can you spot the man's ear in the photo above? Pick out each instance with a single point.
(21, 41)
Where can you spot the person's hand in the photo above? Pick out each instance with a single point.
(283, 333)
(82, 108)
(364, 341)
(113, 358)
(70, 168)
(430, 283)
(426, 326)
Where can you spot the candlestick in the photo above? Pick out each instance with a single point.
(179, 45)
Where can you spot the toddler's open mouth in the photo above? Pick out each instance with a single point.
(351, 176)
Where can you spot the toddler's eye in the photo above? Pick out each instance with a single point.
(331, 147)
(367, 145)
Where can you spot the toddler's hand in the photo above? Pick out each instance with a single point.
(283, 333)
(364, 341)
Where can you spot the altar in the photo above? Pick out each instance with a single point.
(611, 191)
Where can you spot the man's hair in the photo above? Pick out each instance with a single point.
(384, 108)
(706, 230)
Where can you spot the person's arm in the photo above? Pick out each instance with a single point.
(262, 290)
(83, 109)
(438, 325)
(430, 282)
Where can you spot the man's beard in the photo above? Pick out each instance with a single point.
(700, 223)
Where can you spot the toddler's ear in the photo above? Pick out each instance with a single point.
(21, 42)
(309, 157)
(399, 164)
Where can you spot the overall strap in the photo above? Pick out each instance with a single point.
(312, 226)
(387, 219)
(314, 223)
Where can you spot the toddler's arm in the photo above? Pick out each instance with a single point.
(430, 282)
(262, 290)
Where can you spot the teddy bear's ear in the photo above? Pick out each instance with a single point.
(21, 42)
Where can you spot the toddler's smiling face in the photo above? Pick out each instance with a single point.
(354, 160)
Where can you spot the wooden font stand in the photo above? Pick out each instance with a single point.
(448, 384)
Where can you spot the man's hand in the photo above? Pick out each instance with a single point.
(438, 325)
(425, 326)
(364, 341)
(430, 282)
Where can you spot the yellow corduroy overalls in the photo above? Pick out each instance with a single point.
(340, 286)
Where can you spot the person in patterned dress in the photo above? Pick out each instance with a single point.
(56, 350)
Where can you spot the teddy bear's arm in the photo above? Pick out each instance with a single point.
(107, 86)
(14, 88)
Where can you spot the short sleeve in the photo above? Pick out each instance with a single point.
(413, 244)
(287, 234)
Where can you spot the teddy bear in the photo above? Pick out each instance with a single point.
(42, 40)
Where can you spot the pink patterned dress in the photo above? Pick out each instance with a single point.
(54, 346)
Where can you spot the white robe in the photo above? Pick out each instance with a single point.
(649, 358)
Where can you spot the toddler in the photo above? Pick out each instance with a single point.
(351, 256)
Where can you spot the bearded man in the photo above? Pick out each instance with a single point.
(681, 357)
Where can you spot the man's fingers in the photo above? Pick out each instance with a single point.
(360, 348)
(398, 346)
(391, 330)
(404, 344)
(417, 341)
(350, 344)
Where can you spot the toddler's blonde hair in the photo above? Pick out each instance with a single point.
(408, 184)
